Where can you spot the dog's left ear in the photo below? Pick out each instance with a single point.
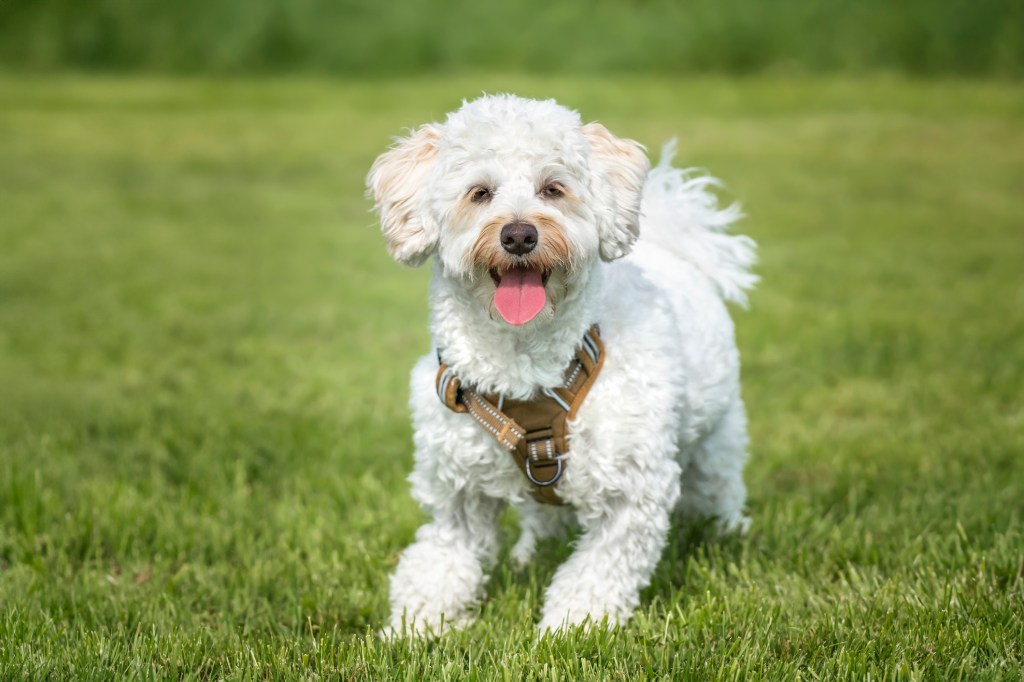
(621, 166)
(395, 181)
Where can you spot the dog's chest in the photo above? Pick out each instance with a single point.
(475, 459)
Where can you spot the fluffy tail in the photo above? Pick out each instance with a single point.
(681, 215)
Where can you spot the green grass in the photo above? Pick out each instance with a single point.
(358, 37)
(203, 361)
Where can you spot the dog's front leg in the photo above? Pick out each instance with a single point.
(622, 542)
(440, 576)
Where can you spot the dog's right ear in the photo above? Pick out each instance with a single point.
(395, 182)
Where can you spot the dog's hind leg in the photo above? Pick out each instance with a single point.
(536, 522)
(440, 576)
(712, 481)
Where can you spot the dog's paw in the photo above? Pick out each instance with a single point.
(523, 550)
(552, 625)
(421, 628)
(737, 524)
(582, 614)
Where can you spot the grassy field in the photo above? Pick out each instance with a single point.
(203, 361)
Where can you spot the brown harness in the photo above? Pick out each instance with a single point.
(534, 431)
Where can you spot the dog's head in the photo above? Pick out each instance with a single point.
(515, 197)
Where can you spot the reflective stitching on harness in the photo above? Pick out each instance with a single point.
(480, 401)
(500, 435)
(504, 430)
(549, 448)
(494, 432)
(575, 373)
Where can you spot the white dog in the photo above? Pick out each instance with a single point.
(541, 227)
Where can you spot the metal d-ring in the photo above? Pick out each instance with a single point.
(542, 484)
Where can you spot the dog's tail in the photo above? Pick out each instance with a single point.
(680, 214)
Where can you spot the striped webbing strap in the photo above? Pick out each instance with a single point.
(535, 431)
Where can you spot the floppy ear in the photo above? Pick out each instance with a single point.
(395, 181)
(620, 167)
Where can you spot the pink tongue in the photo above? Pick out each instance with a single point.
(520, 295)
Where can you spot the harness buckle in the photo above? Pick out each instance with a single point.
(544, 484)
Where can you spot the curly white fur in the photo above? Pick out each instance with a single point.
(663, 428)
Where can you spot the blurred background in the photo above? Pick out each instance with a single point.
(370, 38)
(204, 348)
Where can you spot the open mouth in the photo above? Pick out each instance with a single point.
(519, 294)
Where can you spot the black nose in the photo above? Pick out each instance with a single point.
(519, 238)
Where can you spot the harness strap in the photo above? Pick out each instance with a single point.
(534, 431)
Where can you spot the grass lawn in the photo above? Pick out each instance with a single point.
(203, 361)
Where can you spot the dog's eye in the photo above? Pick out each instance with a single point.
(552, 191)
(479, 194)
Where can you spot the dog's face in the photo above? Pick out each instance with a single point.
(515, 198)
